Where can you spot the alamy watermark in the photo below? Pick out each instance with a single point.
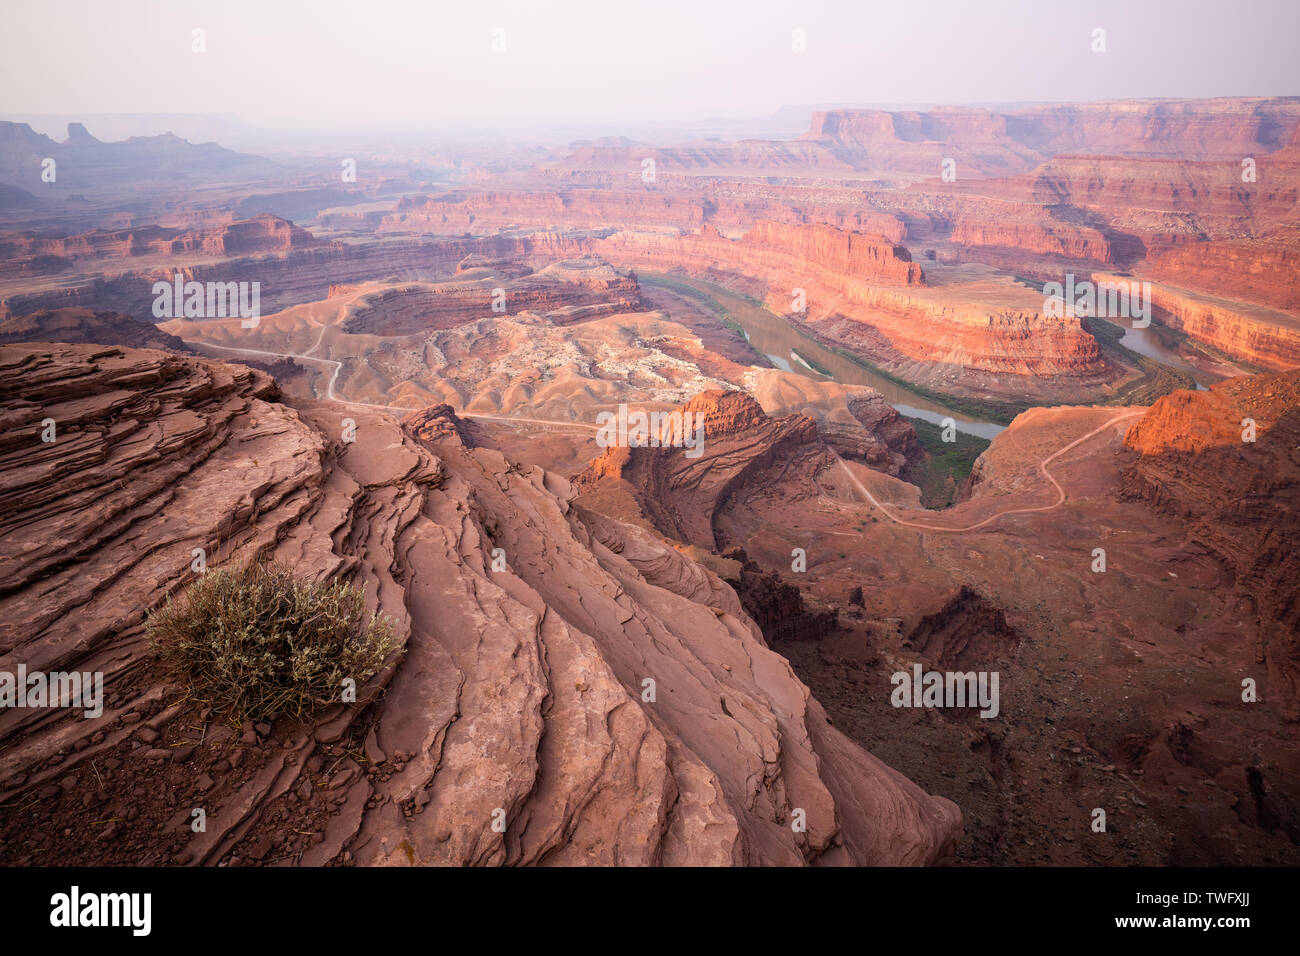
(179, 299)
(677, 429)
(55, 689)
(129, 910)
(951, 689)
(1110, 299)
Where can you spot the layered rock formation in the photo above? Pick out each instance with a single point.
(1259, 335)
(83, 325)
(32, 253)
(305, 272)
(678, 204)
(968, 632)
(861, 292)
(512, 727)
(749, 155)
(1252, 270)
(519, 693)
(681, 494)
(983, 142)
(1099, 210)
(865, 294)
(989, 141)
(918, 142)
(1240, 498)
(1003, 233)
(774, 254)
(1091, 706)
(886, 441)
(1160, 212)
(454, 212)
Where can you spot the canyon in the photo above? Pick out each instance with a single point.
(653, 655)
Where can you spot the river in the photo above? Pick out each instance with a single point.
(1146, 342)
(793, 351)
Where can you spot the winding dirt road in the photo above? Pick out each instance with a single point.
(1042, 467)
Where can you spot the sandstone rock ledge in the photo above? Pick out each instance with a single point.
(519, 693)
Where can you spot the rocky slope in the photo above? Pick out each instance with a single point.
(518, 698)
(1119, 690)
(1240, 499)
(778, 608)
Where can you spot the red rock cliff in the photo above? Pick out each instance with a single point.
(1240, 499)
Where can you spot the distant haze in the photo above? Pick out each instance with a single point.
(350, 65)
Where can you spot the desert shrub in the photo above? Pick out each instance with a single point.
(258, 642)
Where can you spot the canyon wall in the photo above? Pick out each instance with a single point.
(680, 493)
(672, 204)
(865, 294)
(1005, 235)
(301, 275)
(1121, 211)
(1263, 337)
(775, 254)
(992, 139)
(981, 141)
(1240, 499)
(36, 254)
(1262, 270)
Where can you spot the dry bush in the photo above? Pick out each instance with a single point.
(260, 642)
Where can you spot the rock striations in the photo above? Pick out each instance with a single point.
(515, 724)
(680, 493)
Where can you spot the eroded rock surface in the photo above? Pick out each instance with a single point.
(519, 697)
(681, 491)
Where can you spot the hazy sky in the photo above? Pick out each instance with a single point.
(368, 63)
